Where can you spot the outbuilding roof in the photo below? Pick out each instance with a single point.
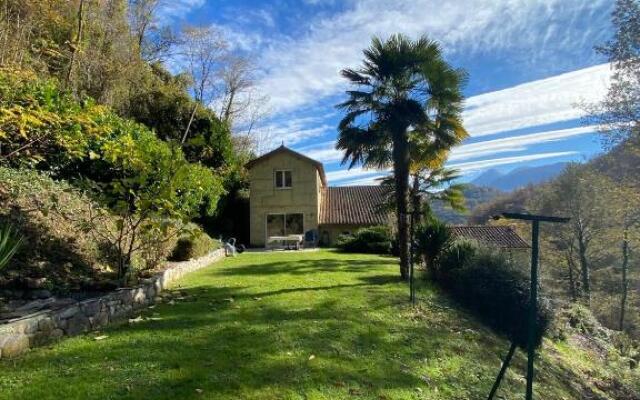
(499, 236)
(357, 205)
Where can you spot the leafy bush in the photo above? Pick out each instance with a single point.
(373, 240)
(65, 230)
(493, 287)
(44, 126)
(193, 245)
(146, 182)
(432, 238)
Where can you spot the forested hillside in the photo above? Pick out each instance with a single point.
(474, 196)
(592, 258)
(99, 137)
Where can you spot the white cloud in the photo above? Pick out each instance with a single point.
(373, 180)
(177, 9)
(515, 143)
(351, 174)
(304, 70)
(472, 166)
(359, 176)
(327, 153)
(536, 103)
(291, 131)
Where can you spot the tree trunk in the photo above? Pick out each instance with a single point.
(401, 175)
(572, 279)
(186, 131)
(74, 47)
(625, 280)
(584, 266)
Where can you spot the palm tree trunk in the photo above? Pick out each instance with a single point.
(401, 174)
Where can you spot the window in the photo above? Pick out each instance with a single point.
(294, 224)
(283, 179)
(285, 224)
(275, 225)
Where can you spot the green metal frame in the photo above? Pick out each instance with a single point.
(533, 301)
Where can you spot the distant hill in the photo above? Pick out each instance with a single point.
(620, 164)
(474, 196)
(519, 177)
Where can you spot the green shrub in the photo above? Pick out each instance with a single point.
(432, 238)
(65, 232)
(122, 164)
(193, 245)
(372, 240)
(494, 288)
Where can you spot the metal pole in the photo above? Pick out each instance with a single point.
(533, 306)
(412, 288)
(412, 294)
(505, 364)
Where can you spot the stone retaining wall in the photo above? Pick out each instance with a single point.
(46, 326)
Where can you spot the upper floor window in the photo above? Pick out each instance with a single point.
(283, 179)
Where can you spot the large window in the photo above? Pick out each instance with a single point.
(275, 225)
(293, 224)
(283, 179)
(285, 224)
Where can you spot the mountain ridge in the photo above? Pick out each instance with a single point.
(519, 177)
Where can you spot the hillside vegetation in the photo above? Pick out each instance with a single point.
(585, 260)
(474, 196)
(96, 196)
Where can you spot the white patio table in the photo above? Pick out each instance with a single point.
(289, 241)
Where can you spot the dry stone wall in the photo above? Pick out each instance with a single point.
(46, 326)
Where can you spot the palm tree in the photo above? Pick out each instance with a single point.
(407, 98)
(436, 185)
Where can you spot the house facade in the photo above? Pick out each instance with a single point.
(289, 195)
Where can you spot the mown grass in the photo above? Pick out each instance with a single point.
(313, 325)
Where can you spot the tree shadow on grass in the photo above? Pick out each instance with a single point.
(256, 346)
(299, 267)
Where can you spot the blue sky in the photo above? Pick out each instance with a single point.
(530, 64)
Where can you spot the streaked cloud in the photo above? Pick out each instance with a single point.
(471, 166)
(536, 103)
(350, 174)
(358, 176)
(515, 143)
(326, 152)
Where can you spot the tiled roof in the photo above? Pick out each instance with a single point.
(353, 205)
(500, 236)
(284, 149)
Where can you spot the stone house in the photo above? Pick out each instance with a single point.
(289, 195)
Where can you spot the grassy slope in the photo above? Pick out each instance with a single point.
(301, 326)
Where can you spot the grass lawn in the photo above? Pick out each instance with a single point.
(312, 325)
